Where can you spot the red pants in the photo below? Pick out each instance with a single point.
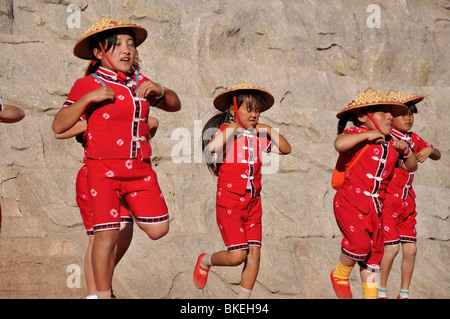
(82, 199)
(362, 232)
(399, 220)
(239, 219)
(134, 179)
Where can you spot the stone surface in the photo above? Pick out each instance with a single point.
(314, 56)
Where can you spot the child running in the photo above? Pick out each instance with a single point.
(399, 214)
(9, 114)
(237, 138)
(358, 202)
(116, 104)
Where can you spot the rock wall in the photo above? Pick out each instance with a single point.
(314, 56)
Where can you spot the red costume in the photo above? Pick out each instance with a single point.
(118, 152)
(358, 203)
(238, 201)
(399, 215)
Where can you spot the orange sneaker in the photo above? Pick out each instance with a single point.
(341, 287)
(199, 278)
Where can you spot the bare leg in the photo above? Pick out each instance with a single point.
(155, 231)
(251, 268)
(408, 261)
(103, 258)
(124, 241)
(390, 252)
(88, 271)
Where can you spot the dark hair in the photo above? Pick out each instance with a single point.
(108, 40)
(252, 98)
(412, 107)
(351, 116)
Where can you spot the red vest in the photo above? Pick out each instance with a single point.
(241, 167)
(366, 183)
(401, 184)
(117, 130)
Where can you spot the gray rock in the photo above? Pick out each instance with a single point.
(313, 56)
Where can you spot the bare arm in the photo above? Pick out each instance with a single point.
(153, 124)
(430, 152)
(68, 116)
(280, 144)
(170, 101)
(78, 128)
(11, 114)
(410, 162)
(217, 142)
(346, 142)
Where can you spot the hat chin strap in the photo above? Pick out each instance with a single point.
(120, 75)
(236, 111)
(373, 121)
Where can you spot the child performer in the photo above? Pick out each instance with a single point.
(358, 201)
(238, 140)
(116, 104)
(399, 214)
(9, 114)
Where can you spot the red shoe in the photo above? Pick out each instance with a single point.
(341, 287)
(398, 297)
(199, 278)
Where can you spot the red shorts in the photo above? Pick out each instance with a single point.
(82, 198)
(362, 233)
(399, 220)
(133, 179)
(239, 219)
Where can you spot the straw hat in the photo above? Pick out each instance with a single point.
(221, 100)
(371, 97)
(404, 97)
(82, 48)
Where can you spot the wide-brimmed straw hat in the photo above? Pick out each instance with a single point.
(221, 102)
(405, 97)
(371, 97)
(82, 48)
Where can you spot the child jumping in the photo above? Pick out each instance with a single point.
(82, 199)
(9, 114)
(358, 202)
(237, 138)
(399, 214)
(116, 103)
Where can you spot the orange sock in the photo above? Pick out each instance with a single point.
(370, 290)
(342, 272)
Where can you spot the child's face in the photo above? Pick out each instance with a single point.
(404, 122)
(249, 116)
(123, 55)
(383, 118)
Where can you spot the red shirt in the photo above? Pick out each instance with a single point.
(241, 167)
(367, 181)
(401, 184)
(118, 129)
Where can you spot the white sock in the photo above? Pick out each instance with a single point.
(404, 294)
(206, 261)
(93, 296)
(382, 293)
(244, 293)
